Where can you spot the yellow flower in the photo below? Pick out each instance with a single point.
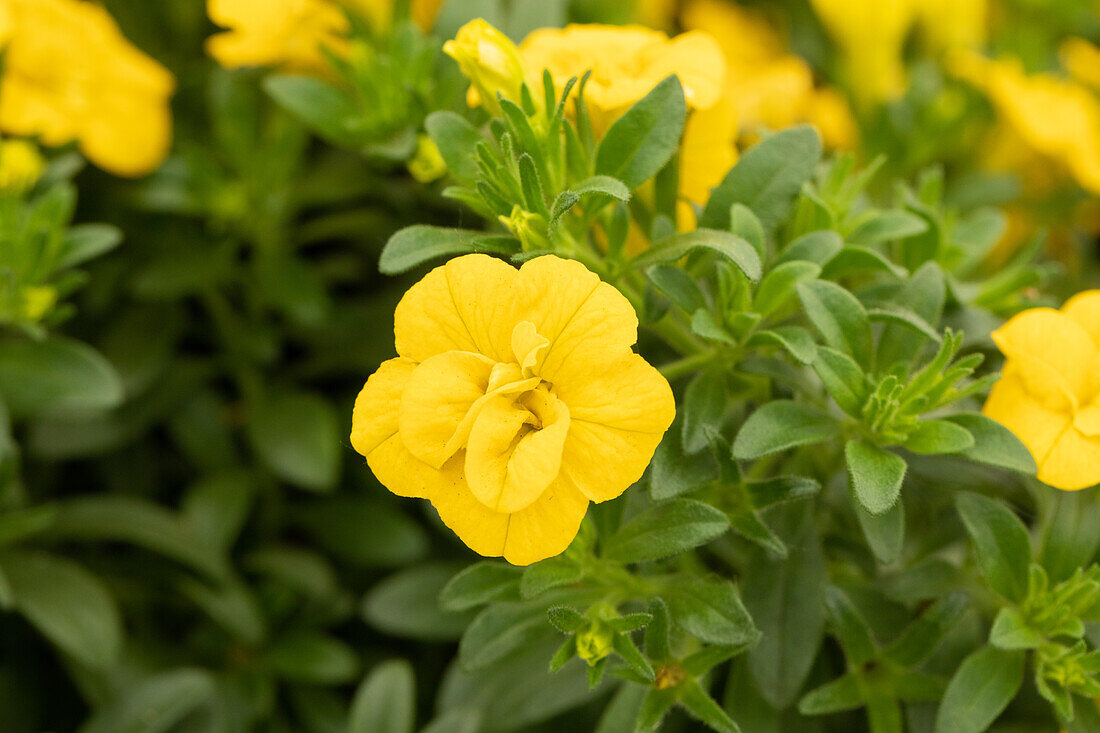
(1049, 389)
(514, 401)
(490, 61)
(871, 35)
(69, 74)
(626, 63)
(1055, 117)
(292, 33)
(1082, 60)
(769, 86)
(20, 165)
(948, 24)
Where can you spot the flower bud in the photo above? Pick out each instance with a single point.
(490, 61)
(427, 163)
(20, 166)
(595, 642)
(528, 228)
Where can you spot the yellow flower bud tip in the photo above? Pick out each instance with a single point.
(514, 401)
(427, 163)
(21, 165)
(490, 60)
(595, 642)
(528, 227)
(668, 676)
(38, 300)
(1049, 391)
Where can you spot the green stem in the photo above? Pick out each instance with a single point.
(686, 365)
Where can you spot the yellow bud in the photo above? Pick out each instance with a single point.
(427, 164)
(37, 301)
(20, 165)
(529, 229)
(594, 643)
(489, 60)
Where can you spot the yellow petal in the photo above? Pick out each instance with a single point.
(1073, 463)
(707, 152)
(1037, 426)
(128, 135)
(374, 434)
(527, 344)
(1053, 354)
(1084, 309)
(618, 414)
(584, 319)
(514, 450)
(1087, 420)
(464, 305)
(542, 530)
(439, 395)
(697, 59)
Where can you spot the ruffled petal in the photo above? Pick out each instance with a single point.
(1053, 355)
(584, 319)
(1073, 462)
(619, 413)
(464, 305)
(514, 450)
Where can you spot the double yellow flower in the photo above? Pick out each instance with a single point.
(515, 400)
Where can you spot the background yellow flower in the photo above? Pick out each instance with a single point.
(515, 400)
(69, 74)
(1048, 391)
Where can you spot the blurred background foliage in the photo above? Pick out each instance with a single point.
(187, 542)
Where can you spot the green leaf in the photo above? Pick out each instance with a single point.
(818, 247)
(678, 286)
(406, 605)
(88, 241)
(673, 248)
(766, 178)
(363, 531)
(850, 260)
(215, 508)
(902, 316)
(148, 525)
(666, 529)
(154, 704)
(385, 701)
(657, 631)
(843, 379)
(780, 489)
(919, 640)
(780, 425)
(886, 226)
(499, 630)
(885, 533)
(711, 610)
(674, 472)
(311, 657)
(602, 185)
(746, 225)
(1073, 535)
(549, 573)
(702, 707)
(839, 317)
(481, 583)
(67, 604)
(455, 721)
(994, 444)
(785, 597)
(297, 435)
(455, 138)
(932, 437)
(645, 137)
(1011, 631)
(704, 407)
(876, 474)
(417, 244)
(849, 627)
(778, 286)
(749, 525)
(565, 619)
(796, 340)
(322, 107)
(18, 524)
(1001, 541)
(923, 293)
(626, 649)
(982, 687)
(704, 323)
(55, 376)
(833, 697)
